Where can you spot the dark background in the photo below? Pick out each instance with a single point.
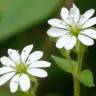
(24, 22)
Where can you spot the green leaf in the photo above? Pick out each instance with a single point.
(65, 65)
(86, 77)
(16, 15)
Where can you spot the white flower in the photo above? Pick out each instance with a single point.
(18, 68)
(73, 27)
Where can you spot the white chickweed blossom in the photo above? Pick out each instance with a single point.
(18, 68)
(73, 27)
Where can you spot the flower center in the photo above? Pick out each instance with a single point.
(74, 30)
(21, 68)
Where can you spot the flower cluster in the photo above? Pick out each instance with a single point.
(18, 68)
(21, 68)
(73, 27)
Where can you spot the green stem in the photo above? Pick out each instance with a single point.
(80, 59)
(76, 87)
(75, 79)
(35, 86)
(80, 53)
(65, 53)
(32, 94)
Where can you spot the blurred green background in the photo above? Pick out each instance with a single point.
(24, 22)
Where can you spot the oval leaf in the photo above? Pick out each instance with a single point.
(65, 65)
(86, 77)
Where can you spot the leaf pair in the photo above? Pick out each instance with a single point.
(85, 77)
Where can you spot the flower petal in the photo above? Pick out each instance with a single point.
(87, 15)
(7, 61)
(89, 23)
(24, 82)
(65, 15)
(86, 40)
(14, 55)
(66, 41)
(6, 77)
(70, 42)
(57, 23)
(90, 32)
(25, 53)
(4, 70)
(56, 32)
(37, 72)
(14, 83)
(34, 57)
(40, 64)
(61, 42)
(75, 14)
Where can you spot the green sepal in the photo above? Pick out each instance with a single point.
(86, 77)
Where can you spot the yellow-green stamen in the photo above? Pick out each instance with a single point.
(21, 68)
(74, 30)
